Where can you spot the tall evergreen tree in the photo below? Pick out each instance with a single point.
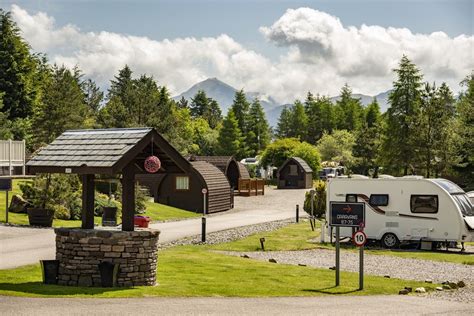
(93, 95)
(284, 123)
(63, 106)
(327, 114)
(258, 136)
(349, 110)
(182, 103)
(241, 107)
(401, 141)
(230, 137)
(313, 109)
(465, 130)
(18, 70)
(299, 121)
(207, 108)
(372, 114)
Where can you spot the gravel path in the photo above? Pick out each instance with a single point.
(228, 235)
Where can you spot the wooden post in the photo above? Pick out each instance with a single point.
(128, 198)
(88, 191)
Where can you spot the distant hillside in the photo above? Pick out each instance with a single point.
(224, 95)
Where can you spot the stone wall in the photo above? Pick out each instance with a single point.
(80, 251)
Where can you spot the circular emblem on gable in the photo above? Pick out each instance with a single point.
(152, 164)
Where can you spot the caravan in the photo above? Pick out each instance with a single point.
(407, 209)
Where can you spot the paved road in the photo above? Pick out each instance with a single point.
(22, 245)
(327, 305)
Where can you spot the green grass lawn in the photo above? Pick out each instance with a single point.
(157, 212)
(298, 236)
(161, 212)
(196, 271)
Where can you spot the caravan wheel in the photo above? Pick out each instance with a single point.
(389, 240)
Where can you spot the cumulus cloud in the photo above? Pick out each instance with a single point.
(323, 54)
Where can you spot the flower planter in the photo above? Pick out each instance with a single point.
(50, 270)
(40, 217)
(141, 221)
(109, 216)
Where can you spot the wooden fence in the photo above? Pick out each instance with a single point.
(251, 187)
(12, 154)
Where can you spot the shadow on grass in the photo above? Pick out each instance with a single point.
(42, 289)
(326, 290)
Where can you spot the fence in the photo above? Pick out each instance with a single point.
(12, 154)
(251, 187)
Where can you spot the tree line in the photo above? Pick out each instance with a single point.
(426, 129)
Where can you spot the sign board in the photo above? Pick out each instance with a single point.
(359, 238)
(5, 184)
(346, 214)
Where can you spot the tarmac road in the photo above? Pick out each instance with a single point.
(326, 305)
(22, 245)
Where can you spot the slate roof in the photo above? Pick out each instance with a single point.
(219, 194)
(89, 148)
(303, 164)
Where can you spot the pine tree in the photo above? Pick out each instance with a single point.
(465, 131)
(199, 104)
(298, 120)
(18, 70)
(230, 137)
(63, 105)
(93, 95)
(372, 114)
(349, 110)
(258, 136)
(284, 123)
(240, 107)
(401, 141)
(313, 109)
(182, 103)
(5, 132)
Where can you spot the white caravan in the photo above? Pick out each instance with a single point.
(407, 209)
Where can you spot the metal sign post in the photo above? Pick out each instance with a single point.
(313, 223)
(349, 215)
(6, 185)
(203, 220)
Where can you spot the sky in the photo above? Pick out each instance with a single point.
(279, 48)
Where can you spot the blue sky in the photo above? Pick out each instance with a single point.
(281, 50)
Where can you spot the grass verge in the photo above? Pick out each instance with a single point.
(161, 212)
(195, 271)
(301, 237)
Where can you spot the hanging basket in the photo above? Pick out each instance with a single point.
(152, 164)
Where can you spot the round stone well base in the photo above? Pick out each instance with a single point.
(80, 251)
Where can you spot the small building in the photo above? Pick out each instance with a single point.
(233, 169)
(12, 157)
(295, 173)
(184, 190)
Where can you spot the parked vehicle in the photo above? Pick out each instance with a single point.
(407, 209)
(331, 172)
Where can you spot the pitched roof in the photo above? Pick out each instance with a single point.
(303, 164)
(100, 149)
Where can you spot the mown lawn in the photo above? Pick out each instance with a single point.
(195, 271)
(300, 237)
(161, 212)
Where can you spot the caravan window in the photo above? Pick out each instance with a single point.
(378, 199)
(424, 203)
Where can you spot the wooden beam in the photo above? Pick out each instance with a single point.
(128, 197)
(88, 191)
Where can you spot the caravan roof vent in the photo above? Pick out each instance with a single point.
(412, 177)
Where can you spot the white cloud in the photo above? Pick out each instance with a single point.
(323, 55)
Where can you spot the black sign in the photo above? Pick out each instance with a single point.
(5, 184)
(347, 214)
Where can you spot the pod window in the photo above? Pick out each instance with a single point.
(424, 204)
(378, 200)
(351, 198)
(182, 183)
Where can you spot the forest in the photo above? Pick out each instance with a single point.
(427, 129)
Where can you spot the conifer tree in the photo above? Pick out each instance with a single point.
(401, 137)
(230, 137)
(349, 111)
(258, 136)
(299, 121)
(284, 123)
(18, 70)
(313, 109)
(241, 107)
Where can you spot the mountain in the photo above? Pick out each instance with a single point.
(224, 95)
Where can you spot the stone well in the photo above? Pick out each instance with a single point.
(80, 251)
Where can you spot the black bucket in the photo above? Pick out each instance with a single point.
(50, 270)
(108, 274)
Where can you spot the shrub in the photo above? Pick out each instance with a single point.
(103, 200)
(319, 202)
(61, 212)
